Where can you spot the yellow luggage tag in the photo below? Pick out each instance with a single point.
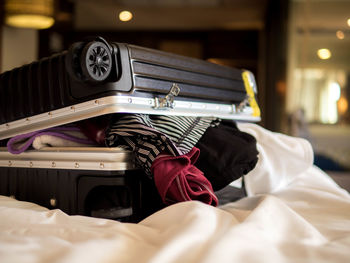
(249, 84)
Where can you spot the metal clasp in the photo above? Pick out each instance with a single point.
(243, 104)
(168, 101)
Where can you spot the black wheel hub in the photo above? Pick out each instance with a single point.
(99, 61)
(97, 64)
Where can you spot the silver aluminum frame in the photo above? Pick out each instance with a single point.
(72, 158)
(123, 104)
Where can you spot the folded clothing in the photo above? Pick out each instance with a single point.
(177, 179)
(65, 136)
(226, 154)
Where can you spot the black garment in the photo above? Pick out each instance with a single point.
(226, 154)
(230, 194)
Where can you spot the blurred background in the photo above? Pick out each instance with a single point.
(297, 49)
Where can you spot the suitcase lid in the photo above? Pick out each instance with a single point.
(72, 158)
(68, 87)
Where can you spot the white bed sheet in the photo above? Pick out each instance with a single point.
(294, 213)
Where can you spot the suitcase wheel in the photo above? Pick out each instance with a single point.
(96, 61)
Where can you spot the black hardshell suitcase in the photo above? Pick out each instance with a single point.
(95, 77)
(92, 79)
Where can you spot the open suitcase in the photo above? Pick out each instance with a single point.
(95, 78)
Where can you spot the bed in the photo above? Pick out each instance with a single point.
(294, 212)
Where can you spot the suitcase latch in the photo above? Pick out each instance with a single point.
(243, 104)
(168, 101)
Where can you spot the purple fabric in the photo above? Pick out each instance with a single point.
(30, 137)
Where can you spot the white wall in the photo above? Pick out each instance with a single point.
(18, 47)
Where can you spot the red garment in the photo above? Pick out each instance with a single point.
(94, 129)
(177, 179)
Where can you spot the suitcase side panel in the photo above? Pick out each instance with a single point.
(156, 71)
(188, 91)
(169, 60)
(180, 76)
(34, 88)
(74, 191)
(40, 186)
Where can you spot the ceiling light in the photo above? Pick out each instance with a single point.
(125, 16)
(36, 14)
(340, 34)
(348, 22)
(324, 53)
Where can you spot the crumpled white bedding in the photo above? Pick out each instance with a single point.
(294, 213)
